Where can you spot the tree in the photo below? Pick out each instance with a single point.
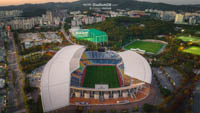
(165, 92)
(148, 108)
(39, 105)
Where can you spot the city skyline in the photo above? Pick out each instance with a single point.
(19, 2)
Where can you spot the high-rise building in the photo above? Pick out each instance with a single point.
(11, 13)
(169, 15)
(192, 20)
(49, 16)
(179, 19)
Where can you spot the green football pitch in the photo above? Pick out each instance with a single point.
(187, 39)
(101, 75)
(152, 47)
(193, 50)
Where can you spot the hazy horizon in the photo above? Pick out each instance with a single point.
(20, 2)
(175, 2)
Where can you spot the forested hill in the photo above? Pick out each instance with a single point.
(122, 4)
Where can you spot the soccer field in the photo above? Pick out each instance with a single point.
(152, 47)
(193, 50)
(101, 75)
(187, 39)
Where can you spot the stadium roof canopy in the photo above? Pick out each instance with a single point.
(55, 81)
(136, 66)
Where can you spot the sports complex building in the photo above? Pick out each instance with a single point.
(91, 35)
(75, 76)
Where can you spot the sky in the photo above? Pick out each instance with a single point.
(175, 2)
(17, 2)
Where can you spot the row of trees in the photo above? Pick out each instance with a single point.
(190, 30)
(40, 29)
(35, 107)
(67, 24)
(30, 63)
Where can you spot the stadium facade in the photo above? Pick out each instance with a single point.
(91, 35)
(64, 75)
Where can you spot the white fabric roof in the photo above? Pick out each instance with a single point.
(56, 76)
(136, 66)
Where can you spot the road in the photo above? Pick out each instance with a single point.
(196, 105)
(15, 91)
(65, 34)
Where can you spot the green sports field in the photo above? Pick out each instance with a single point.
(193, 50)
(152, 47)
(101, 75)
(187, 39)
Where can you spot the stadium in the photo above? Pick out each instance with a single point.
(75, 76)
(151, 47)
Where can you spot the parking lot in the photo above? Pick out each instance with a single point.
(165, 83)
(196, 98)
(174, 75)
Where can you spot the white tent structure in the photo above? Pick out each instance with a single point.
(56, 76)
(136, 66)
(55, 81)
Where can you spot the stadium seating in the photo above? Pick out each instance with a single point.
(75, 81)
(100, 55)
(94, 57)
(77, 75)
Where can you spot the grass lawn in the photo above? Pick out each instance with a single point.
(187, 39)
(101, 75)
(152, 47)
(193, 50)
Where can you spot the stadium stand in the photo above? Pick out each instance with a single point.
(75, 81)
(119, 77)
(95, 57)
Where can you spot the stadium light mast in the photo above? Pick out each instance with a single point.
(96, 41)
(103, 39)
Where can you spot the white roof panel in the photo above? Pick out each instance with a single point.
(136, 66)
(56, 76)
